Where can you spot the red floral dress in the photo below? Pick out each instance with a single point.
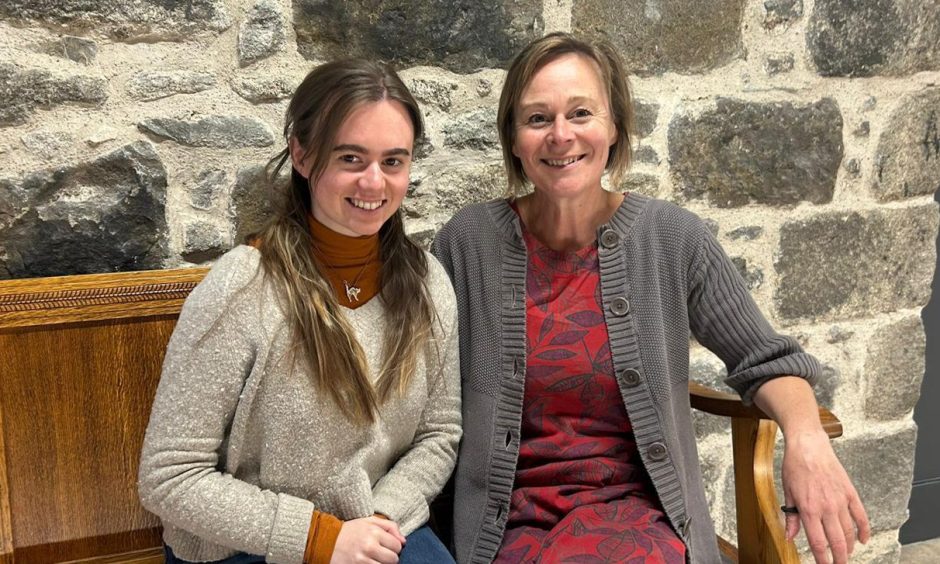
(581, 493)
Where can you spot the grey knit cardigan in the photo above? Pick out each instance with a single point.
(242, 446)
(663, 277)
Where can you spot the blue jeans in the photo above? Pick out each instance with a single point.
(421, 547)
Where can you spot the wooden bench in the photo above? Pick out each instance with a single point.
(80, 359)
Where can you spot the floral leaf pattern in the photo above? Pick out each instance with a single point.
(581, 494)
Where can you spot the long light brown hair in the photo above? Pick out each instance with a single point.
(613, 77)
(321, 333)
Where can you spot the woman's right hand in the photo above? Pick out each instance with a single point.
(369, 540)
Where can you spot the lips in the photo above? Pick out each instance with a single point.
(364, 205)
(563, 162)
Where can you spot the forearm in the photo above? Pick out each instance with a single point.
(791, 403)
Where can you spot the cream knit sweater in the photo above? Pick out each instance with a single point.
(241, 448)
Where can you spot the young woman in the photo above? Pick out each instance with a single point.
(309, 407)
(576, 308)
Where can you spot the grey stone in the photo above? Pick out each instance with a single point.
(778, 63)
(646, 154)
(262, 33)
(767, 153)
(484, 87)
(826, 385)
(221, 132)
(261, 90)
(459, 35)
(684, 36)
(102, 215)
(746, 232)
(153, 85)
(640, 183)
(753, 277)
(894, 369)
(711, 225)
(78, 49)
(869, 104)
(890, 555)
(433, 92)
(863, 129)
(853, 167)
(709, 371)
(122, 19)
(101, 136)
(203, 241)
(837, 334)
(778, 12)
(253, 201)
(22, 91)
(856, 264)
(47, 144)
(443, 192)
(209, 184)
(646, 114)
(882, 468)
(719, 480)
(907, 161)
(423, 147)
(475, 129)
(874, 37)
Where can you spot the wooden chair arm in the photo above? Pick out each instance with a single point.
(712, 401)
(753, 436)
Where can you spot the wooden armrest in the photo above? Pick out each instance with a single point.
(712, 401)
(753, 437)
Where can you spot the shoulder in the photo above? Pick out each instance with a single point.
(477, 219)
(477, 229)
(663, 216)
(235, 272)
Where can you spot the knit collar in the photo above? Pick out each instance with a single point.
(352, 265)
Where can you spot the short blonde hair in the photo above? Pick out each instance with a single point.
(535, 56)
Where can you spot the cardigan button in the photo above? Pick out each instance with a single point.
(620, 306)
(610, 239)
(630, 377)
(657, 451)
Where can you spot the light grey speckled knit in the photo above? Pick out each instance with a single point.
(240, 449)
(662, 275)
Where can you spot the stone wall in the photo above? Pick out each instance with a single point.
(808, 134)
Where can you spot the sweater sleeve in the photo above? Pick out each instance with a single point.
(724, 318)
(404, 494)
(182, 480)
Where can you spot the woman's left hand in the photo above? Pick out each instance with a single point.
(830, 510)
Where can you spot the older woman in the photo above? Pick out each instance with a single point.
(576, 305)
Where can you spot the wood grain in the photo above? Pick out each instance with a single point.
(81, 358)
(760, 525)
(95, 297)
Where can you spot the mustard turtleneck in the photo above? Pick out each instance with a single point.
(351, 264)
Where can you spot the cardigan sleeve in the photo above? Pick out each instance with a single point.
(210, 355)
(724, 318)
(405, 492)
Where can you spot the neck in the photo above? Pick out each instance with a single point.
(352, 264)
(567, 224)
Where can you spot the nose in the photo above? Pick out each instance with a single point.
(561, 131)
(372, 177)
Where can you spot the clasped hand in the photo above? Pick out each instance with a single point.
(369, 540)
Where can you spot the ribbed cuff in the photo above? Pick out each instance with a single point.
(289, 532)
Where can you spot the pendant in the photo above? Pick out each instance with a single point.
(352, 292)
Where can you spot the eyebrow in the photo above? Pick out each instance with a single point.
(571, 100)
(360, 149)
